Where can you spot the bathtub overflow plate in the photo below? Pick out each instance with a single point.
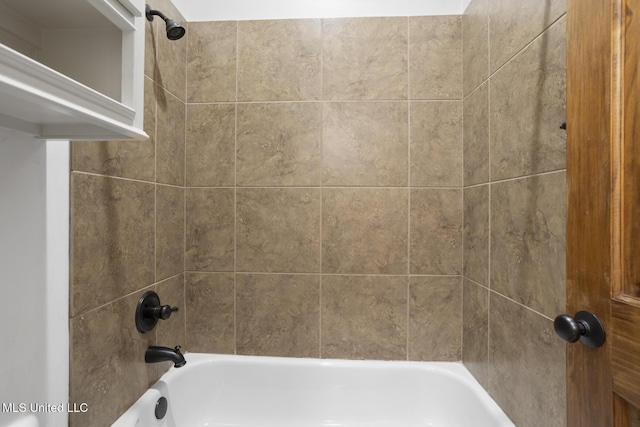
(161, 408)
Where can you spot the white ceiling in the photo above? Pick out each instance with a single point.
(218, 10)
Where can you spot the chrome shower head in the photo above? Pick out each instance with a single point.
(175, 31)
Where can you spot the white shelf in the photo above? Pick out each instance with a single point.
(45, 103)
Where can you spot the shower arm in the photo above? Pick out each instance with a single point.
(175, 31)
(149, 13)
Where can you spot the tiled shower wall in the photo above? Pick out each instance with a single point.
(300, 195)
(127, 225)
(323, 188)
(303, 193)
(515, 204)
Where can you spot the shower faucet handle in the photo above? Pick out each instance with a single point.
(163, 312)
(149, 311)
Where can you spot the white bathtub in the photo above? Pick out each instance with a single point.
(245, 391)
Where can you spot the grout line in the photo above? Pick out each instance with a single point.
(318, 273)
(155, 181)
(484, 81)
(471, 186)
(489, 370)
(518, 178)
(106, 304)
(525, 47)
(322, 95)
(408, 296)
(339, 101)
(235, 197)
(155, 233)
(184, 260)
(157, 88)
(184, 190)
(408, 290)
(462, 258)
(333, 101)
(286, 187)
(462, 180)
(321, 231)
(213, 103)
(491, 291)
(488, 278)
(126, 179)
(475, 283)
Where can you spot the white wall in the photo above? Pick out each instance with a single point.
(57, 285)
(218, 10)
(22, 269)
(33, 275)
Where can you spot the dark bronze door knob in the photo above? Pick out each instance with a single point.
(585, 326)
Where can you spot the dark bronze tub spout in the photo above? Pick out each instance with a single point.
(155, 354)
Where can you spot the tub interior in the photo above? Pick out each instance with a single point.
(246, 391)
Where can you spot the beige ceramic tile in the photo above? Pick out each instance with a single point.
(514, 24)
(172, 331)
(211, 61)
(279, 144)
(364, 231)
(526, 365)
(210, 312)
(278, 230)
(279, 60)
(435, 57)
(364, 317)
(476, 136)
(278, 315)
(436, 231)
(112, 239)
(126, 159)
(151, 91)
(435, 318)
(365, 144)
(107, 352)
(365, 58)
(475, 331)
(169, 231)
(170, 139)
(476, 234)
(528, 241)
(151, 48)
(436, 144)
(528, 107)
(210, 150)
(475, 46)
(209, 229)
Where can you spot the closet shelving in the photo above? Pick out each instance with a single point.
(72, 69)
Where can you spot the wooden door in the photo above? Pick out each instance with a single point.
(603, 226)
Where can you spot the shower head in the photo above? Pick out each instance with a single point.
(175, 31)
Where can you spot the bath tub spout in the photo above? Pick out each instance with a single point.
(156, 354)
